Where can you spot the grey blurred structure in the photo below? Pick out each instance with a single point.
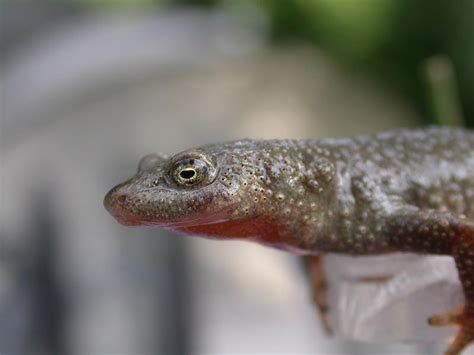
(83, 102)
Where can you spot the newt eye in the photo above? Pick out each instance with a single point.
(192, 171)
(189, 173)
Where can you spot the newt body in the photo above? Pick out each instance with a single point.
(406, 190)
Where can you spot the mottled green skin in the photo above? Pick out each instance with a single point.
(406, 190)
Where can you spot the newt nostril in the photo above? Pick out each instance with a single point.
(115, 199)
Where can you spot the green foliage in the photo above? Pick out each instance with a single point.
(357, 29)
(388, 38)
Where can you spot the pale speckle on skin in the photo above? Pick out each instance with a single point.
(405, 190)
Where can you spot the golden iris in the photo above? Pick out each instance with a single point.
(189, 172)
(192, 169)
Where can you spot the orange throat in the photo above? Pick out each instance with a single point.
(261, 229)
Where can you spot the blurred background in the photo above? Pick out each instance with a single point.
(90, 86)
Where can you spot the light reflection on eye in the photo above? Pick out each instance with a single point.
(192, 169)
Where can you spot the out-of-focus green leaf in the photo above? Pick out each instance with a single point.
(442, 91)
(358, 28)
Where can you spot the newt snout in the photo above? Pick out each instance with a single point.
(115, 202)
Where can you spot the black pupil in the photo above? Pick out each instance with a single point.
(187, 174)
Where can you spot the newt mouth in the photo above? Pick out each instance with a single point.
(209, 218)
(115, 204)
(130, 220)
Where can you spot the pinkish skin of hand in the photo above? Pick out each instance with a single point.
(406, 190)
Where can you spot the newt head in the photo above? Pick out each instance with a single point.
(208, 191)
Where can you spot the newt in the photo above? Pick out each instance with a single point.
(408, 190)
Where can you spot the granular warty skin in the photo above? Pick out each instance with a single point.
(405, 190)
